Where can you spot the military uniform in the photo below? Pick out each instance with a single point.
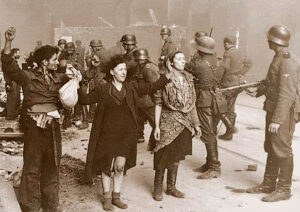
(205, 83)
(280, 88)
(167, 48)
(236, 66)
(131, 64)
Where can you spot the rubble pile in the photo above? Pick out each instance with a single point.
(11, 147)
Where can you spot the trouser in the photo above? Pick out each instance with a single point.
(279, 146)
(39, 183)
(208, 136)
(231, 115)
(13, 100)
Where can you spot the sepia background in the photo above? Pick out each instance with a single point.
(108, 19)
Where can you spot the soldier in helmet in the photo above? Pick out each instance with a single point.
(196, 56)
(146, 72)
(281, 105)
(61, 44)
(236, 66)
(168, 45)
(204, 68)
(96, 70)
(80, 52)
(129, 44)
(80, 112)
(98, 49)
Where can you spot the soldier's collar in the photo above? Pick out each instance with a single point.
(283, 51)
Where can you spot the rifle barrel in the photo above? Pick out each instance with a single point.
(247, 85)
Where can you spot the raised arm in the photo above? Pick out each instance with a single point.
(9, 65)
(149, 88)
(93, 97)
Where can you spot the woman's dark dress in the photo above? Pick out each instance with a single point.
(118, 136)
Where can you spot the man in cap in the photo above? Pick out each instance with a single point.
(168, 45)
(236, 66)
(203, 68)
(282, 106)
(146, 73)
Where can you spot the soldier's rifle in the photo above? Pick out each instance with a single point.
(241, 86)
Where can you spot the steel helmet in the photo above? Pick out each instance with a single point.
(62, 41)
(279, 35)
(206, 44)
(140, 54)
(96, 43)
(128, 39)
(70, 46)
(165, 31)
(200, 34)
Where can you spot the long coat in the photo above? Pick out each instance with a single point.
(100, 95)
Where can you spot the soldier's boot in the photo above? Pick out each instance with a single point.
(91, 115)
(85, 123)
(214, 170)
(283, 190)
(116, 200)
(171, 182)
(235, 130)
(227, 136)
(67, 122)
(269, 183)
(77, 112)
(205, 166)
(158, 184)
(107, 202)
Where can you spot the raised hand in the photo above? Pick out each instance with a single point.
(10, 34)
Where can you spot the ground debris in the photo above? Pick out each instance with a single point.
(69, 135)
(11, 147)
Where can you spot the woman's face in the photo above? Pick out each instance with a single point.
(179, 61)
(119, 72)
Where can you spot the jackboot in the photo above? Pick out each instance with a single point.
(283, 190)
(67, 122)
(227, 136)
(204, 167)
(107, 203)
(214, 164)
(171, 181)
(116, 200)
(271, 173)
(158, 184)
(77, 112)
(85, 123)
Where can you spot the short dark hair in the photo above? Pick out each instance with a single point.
(63, 56)
(14, 50)
(115, 61)
(44, 53)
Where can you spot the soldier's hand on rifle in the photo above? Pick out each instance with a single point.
(273, 127)
(251, 91)
(10, 34)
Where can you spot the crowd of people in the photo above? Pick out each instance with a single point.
(122, 88)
